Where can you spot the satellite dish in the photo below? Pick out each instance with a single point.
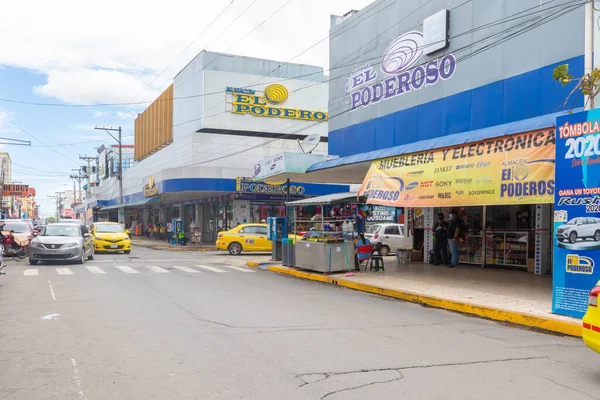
(309, 143)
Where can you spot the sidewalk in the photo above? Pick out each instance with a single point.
(163, 245)
(503, 295)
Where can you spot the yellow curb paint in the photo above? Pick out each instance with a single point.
(547, 324)
(252, 264)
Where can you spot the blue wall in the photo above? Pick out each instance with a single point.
(528, 95)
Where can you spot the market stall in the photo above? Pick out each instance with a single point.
(327, 240)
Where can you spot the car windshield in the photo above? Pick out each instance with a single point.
(573, 221)
(109, 228)
(18, 227)
(61, 230)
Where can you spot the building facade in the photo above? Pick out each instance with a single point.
(196, 146)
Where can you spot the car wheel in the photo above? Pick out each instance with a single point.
(82, 258)
(597, 236)
(235, 249)
(91, 257)
(572, 237)
(32, 262)
(384, 251)
(127, 251)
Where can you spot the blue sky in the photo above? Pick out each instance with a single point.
(72, 52)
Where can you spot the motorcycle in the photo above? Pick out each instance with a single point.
(2, 265)
(12, 247)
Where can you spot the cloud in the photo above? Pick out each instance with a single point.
(94, 86)
(120, 114)
(90, 53)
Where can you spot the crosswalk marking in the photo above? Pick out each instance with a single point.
(208, 268)
(158, 270)
(95, 270)
(31, 272)
(127, 270)
(184, 269)
(64, 271)
(241, 269)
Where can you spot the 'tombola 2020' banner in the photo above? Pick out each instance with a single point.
(516, 169)
(576, 212)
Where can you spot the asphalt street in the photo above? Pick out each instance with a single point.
(167, 325)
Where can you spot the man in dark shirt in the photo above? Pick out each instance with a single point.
(455, 231)
(440, 244)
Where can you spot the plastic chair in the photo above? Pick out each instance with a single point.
(377, 259)
(364, 249)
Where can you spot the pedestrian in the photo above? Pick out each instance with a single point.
(169, 231)
(456, 231)
(440, 238)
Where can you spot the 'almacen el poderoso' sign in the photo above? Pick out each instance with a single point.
(400, 63)
(246, 101)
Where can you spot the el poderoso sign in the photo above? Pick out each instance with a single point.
(516, 169)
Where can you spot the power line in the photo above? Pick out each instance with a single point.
(175, 60)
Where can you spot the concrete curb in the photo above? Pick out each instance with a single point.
(513, 317)
(172, 248)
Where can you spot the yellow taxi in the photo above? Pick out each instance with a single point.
(110, 237)
(244, 237)
(591, 321)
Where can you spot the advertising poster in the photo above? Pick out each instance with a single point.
(576, 212)
(381, 214)
(516, 169)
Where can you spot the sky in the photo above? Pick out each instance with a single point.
(93, 53)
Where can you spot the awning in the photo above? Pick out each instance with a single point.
(132, 204)
(357, 165)
(327, 199)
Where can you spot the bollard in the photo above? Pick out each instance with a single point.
(284, 252)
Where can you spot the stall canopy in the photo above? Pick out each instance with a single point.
(327, 199)
(131, 204)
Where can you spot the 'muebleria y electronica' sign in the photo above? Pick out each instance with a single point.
(247, 101)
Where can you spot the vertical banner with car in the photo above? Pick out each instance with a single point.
(576, 212)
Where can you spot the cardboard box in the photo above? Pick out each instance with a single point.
(416, 255)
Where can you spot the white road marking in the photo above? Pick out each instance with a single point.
(51, 290)
(64, 271)
(158, 270)
(31, 272)
(95, 270)
(185, 269)
(50, 316)
(77, 379)
(127, 270)
(213, 269)
(241, 269)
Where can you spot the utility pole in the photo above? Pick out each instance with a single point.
(88, 172)
(588, 50)
(79, 177)
(120, 169)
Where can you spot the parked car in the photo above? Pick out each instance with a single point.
(391, 237)
(110, 237)
(579, 228)
(18, 220)
(64, 242)
(22, 229)
(245, 237)
(591, 321)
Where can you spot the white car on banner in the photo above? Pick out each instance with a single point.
(579, 228)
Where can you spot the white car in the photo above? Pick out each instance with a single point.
(579, 228)
(391, 236)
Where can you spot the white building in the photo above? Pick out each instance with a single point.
(199, 140)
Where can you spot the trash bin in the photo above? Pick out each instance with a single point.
(284, 252)
(291, 252)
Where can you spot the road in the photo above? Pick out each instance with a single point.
(165, 325)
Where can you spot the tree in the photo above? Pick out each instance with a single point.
(588, 85)
(50, 220)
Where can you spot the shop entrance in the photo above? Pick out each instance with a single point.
(504, 236)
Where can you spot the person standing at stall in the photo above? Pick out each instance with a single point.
(456, 232)
(440, 245)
